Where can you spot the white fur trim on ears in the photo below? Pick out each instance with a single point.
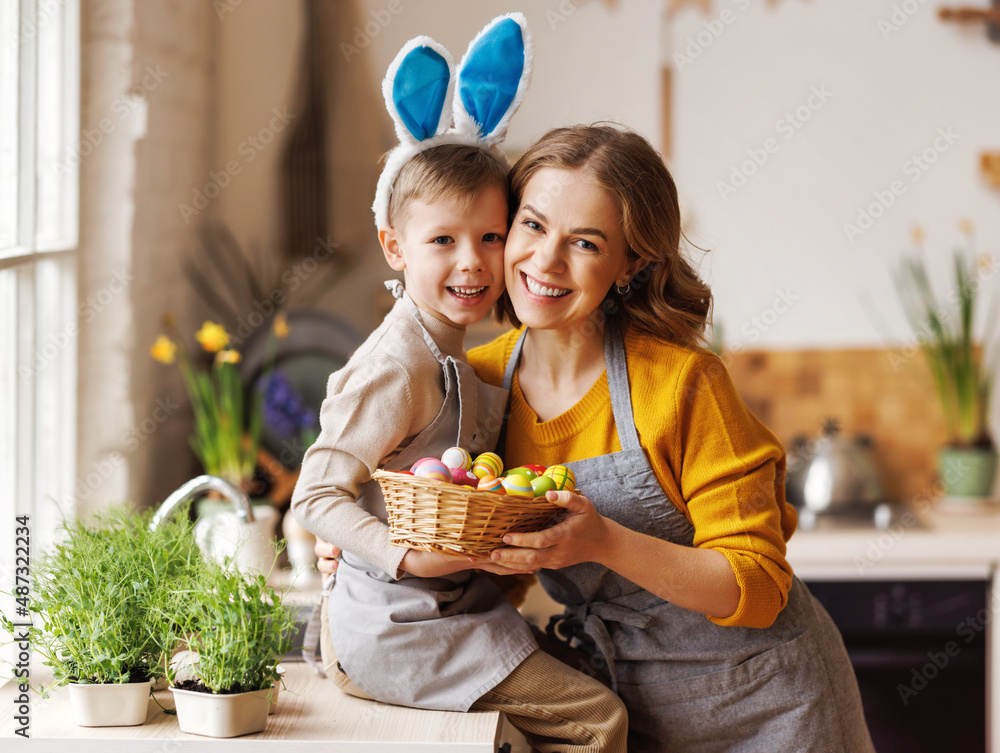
(444, 121)
(407, 151)
(463, 120)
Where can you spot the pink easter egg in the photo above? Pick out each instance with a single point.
(463, 477)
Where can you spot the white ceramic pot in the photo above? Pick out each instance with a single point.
(112, 705)
(215, 715)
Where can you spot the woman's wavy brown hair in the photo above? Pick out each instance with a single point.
(666, 298)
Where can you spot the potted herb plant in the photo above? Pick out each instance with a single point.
(961, 365)
(237, 630)
(96, 601)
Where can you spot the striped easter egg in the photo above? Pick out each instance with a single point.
(518, 486)
(487, 464)
(457, 457)
(431, 468)
(491, 484)
(563, 476)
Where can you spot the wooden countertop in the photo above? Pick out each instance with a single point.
(312, 713)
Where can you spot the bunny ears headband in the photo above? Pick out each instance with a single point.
(420, 95)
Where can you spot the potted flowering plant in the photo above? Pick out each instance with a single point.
(227, 433)
(961, 365)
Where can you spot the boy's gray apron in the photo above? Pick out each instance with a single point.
(436, 643)
(691, 685)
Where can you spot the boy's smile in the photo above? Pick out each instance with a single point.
(452, 254)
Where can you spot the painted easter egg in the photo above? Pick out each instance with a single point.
(487, 464)
(542, 484)
(539, 470)
(431, 468)
(521, 471)
(491, 484)
(456, 457)
(463, 477)
(518, 486)
(563, 476)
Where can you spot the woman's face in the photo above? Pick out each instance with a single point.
(564, 251)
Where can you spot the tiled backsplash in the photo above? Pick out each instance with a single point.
(887, 394)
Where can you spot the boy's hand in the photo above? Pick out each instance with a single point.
(433, 564)
(327, 554)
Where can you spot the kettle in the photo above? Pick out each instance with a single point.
(833, 474)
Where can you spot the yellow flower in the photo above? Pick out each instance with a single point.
(280, 327)
(163, 349)
(965, 225)
(917, 233)
(212, 337)
(227, 356)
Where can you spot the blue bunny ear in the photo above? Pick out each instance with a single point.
(417, 87)
(493, 77)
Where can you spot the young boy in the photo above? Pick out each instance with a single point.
(407, 626)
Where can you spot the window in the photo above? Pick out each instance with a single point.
(39, 128)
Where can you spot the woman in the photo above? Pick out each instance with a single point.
(671, 560)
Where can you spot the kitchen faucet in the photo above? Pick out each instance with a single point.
(199, 485)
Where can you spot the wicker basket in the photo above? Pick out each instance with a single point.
(439, 517)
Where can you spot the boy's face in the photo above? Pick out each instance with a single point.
(452, 255)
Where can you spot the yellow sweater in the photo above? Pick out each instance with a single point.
(717, 463)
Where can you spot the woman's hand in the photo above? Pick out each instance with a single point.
(327, 554)
(579, 537)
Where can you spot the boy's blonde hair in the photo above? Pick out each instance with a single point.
(667, 298)
(456, 171)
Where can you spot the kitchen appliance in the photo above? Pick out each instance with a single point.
(919, 652)
(835, 477)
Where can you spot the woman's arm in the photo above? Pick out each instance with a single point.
(698, 579)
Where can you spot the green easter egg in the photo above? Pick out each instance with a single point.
(542, 484)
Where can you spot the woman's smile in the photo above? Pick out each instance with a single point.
(541, 289)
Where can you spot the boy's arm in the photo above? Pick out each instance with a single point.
(368, 412)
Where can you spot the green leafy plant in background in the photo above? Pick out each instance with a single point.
(962, 367)
(236, 626)
(98, 597)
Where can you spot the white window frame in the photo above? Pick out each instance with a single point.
(40, 58)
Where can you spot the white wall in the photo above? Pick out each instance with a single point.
(889, 95)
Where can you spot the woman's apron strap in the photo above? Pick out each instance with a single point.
(311, 640)
(586, 623)
(618, 385)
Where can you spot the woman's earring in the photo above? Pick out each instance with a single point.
(622, 288)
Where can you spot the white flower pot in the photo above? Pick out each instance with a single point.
(214, 715)
(112, 705)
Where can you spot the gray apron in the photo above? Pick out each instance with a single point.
(691, 685)
(435, 643)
